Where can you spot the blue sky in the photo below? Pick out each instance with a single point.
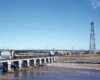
(58, 24)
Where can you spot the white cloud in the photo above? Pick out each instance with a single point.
(95, 3)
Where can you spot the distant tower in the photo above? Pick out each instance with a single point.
(92, 47)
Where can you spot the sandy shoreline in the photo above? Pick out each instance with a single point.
(76, 66)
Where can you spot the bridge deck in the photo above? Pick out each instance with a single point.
(17, 59)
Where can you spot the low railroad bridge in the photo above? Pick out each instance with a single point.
(11, 63)
(24, 62)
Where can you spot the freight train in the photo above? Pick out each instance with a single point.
(31, 53)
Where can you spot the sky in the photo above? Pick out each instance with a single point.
(48, 24)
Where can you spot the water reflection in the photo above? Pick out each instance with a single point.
(17, 74)
(33, 75)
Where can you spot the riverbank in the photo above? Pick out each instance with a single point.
(75, 65)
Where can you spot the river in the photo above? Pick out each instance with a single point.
(53, 73)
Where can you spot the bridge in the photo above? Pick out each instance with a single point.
(19, 63)
(24, 62)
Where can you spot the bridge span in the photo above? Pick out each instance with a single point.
(18, 64)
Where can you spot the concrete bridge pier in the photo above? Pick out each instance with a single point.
(20, 64)
(52, 60)
(40, 62)
(44, 60)
(34, 62)
(0, 54)
(9, 67)
(48, 60)
(28, 63)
